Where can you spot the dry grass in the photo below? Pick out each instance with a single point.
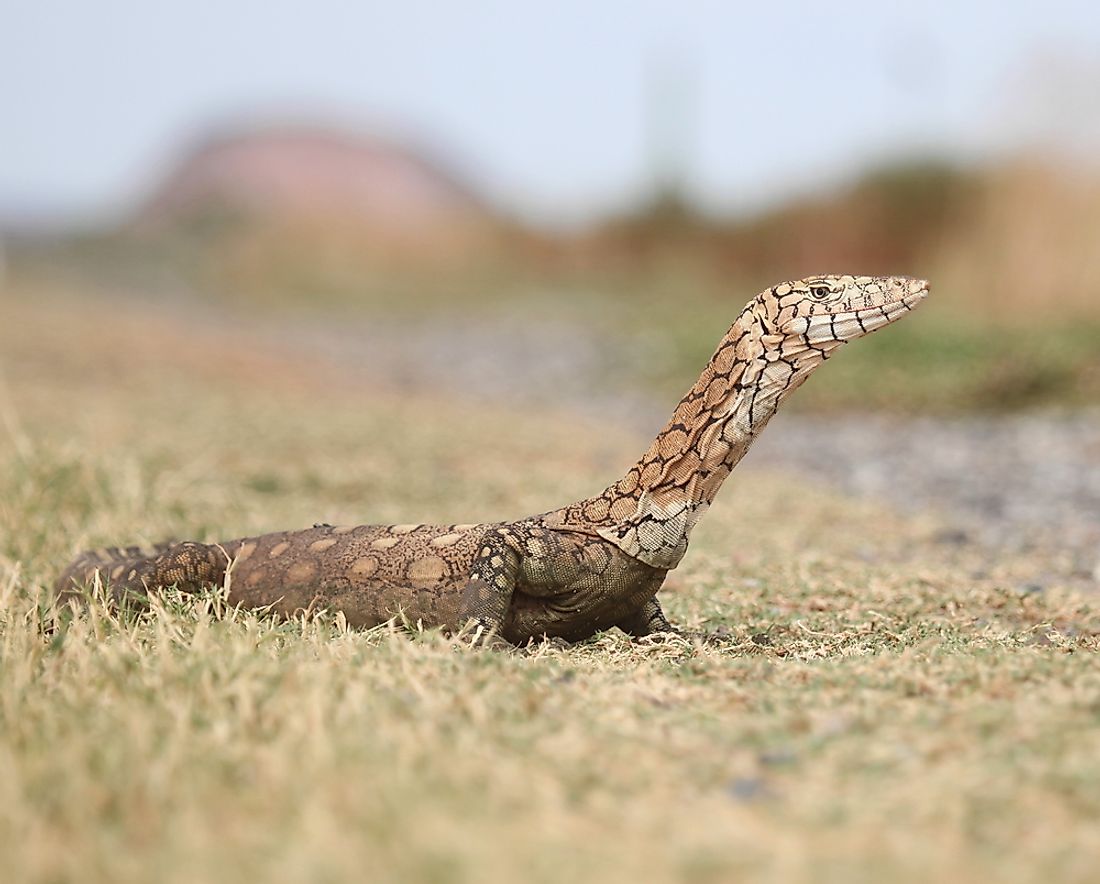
(881, 709)
(1029, 250)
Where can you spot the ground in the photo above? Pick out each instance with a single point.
(885, 703)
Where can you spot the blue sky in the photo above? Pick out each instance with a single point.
(549, 107)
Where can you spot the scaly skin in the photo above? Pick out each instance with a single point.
(568, 573)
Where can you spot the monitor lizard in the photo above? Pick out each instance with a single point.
(567, 573)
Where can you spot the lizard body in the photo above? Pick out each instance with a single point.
(567, 573)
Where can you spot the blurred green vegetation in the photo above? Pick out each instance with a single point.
(940, 359)
(1014, 320)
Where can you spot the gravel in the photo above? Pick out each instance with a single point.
(1016, 482)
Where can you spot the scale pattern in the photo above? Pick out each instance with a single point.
(568, 573)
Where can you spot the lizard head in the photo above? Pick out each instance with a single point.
(834, 309)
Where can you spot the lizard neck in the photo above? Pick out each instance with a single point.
(650, 512)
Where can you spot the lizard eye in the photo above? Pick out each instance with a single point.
(820, 292)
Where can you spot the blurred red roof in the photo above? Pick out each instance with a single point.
(310, 174)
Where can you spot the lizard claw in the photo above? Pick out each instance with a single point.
(480, 634)
(663, 637)
(535, 646)
(689, 636)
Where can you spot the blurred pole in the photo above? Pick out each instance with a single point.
(671, 126)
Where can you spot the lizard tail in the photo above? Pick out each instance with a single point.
(136, 569)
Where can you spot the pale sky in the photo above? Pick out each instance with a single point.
(546, 106)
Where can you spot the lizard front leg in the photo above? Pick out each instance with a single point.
(492, 580)
(527, 581)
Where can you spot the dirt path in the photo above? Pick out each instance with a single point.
(1013, 482)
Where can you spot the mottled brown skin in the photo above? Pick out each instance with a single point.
(522, 579)
(568, 573)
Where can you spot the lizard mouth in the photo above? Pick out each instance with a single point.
(850, 324)
(915, 297)
(904, 303)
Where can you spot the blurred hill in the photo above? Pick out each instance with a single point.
(324, 181)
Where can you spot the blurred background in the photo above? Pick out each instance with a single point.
(567, 203)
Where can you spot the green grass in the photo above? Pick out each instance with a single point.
(881, 707)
